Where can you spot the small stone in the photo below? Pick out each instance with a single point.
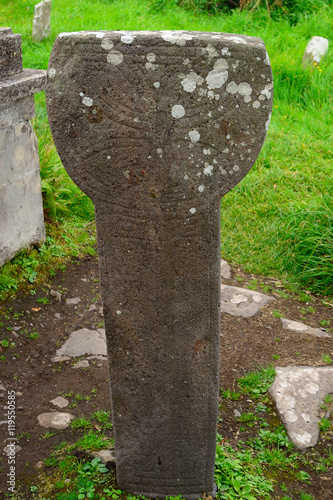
(39, 464)
(328, 415)
(100, 311)
(55, 420)
(73, 301)
(59, 359)
(237, 413)
(20, 408)
(296, 326)
(242, 302)
(92, 307)
(82, 342)
(2, 387)
(225, 270)
(57, 315)
(82, 364)
(105, 455)
(56, 294)
(18, 394)
(8, 450)
(67, 481)
(315, 50)
(60, 402)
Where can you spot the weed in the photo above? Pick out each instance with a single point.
(327, 359)
(324, 425)
(48, 434)
(43, 300)
(233, 395)
(81, 422)
(277, 314)
(34, 335)
(257, 383)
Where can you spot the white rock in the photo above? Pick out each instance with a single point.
(60, 402)
(82, 364)
(315, 50)
(41, 22)
(55, 420)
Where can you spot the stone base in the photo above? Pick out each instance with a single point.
(21, 208)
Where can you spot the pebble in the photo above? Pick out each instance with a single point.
(237, 413)
(73, 301)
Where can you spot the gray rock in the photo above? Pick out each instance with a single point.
(83, 342)
(18, 394)
(298, 392)
(73, 301)
(105, 455)
(315, 50)
(225, 270)
(59, 359)
(156, 127)
(57, 315)
(296, 326)
(2, 387)
(242, 302)
(237, 413)
(60, 402)
(55, 420)
(41, 27)
(56, 294)
(92, 307)
(82, 364)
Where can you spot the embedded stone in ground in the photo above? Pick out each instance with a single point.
(82, 342)
(241, 301)
(296, 326)
(73, 301)
(11, 450)
(105, 455)
(41, 27)
(225, 270)
(298, 392)
(82, 364)
(156, 149)
(315, 50)
(60, 402)
(55, 420)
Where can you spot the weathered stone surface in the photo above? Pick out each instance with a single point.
(60, 402)
(41, 27)
(55, 420)
(296, 326)
(315, 50)
(225, 270)
(105, 455)
(21, 209)
(156, 127)
(82, 342)
(10, 53)
(82, 364)
(241, 301)
(298, 392)
(73, 301)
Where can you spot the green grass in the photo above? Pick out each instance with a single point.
(278, 220)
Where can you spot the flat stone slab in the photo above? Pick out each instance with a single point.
(296, 326)
(55, 420)
(82, 342)
(242, 302)
(225, 270)
(73, 301)
(298, 392)
(60, 402)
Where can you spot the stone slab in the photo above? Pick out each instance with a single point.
(41, 27)
(241, 301)
(296, 326)
(10, 53)
(21, 207)
(298, 392)
(55, 420)
(156, 127)
(315, 50)
(27, 82)
(83, 342)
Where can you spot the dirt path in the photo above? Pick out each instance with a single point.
(37, 325)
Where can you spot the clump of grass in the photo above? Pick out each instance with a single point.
(257, 383)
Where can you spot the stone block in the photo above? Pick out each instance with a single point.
(10, 53)
(41, 27)
(315, 50)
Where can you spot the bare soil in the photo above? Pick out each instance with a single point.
(246, 344)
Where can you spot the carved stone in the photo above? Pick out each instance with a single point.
(156, 127)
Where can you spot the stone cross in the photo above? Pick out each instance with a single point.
(21, 208)
(156, 127)
(41, 27)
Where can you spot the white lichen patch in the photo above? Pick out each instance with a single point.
(87, 101)
(225, 51)
(52, 72)
(244, 88)
(175, 37)
(107, 44)
(190, 81)
(206, 151)
(201, 188)
(157, 85)
(159, 151)
(235, 168)
(178, 111)
(237, 39)
(114, 57)
(256, 105)
(151, 57)
(311, 388)
(266, 92)
(235, 65)
(127, 39)
(218, 76)
(211, 51)
(208, 170)
(118, 312)
(247, 98)
(193, 210)
(268, 121)
(194, 135)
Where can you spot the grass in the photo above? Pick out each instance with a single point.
(278, 220)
